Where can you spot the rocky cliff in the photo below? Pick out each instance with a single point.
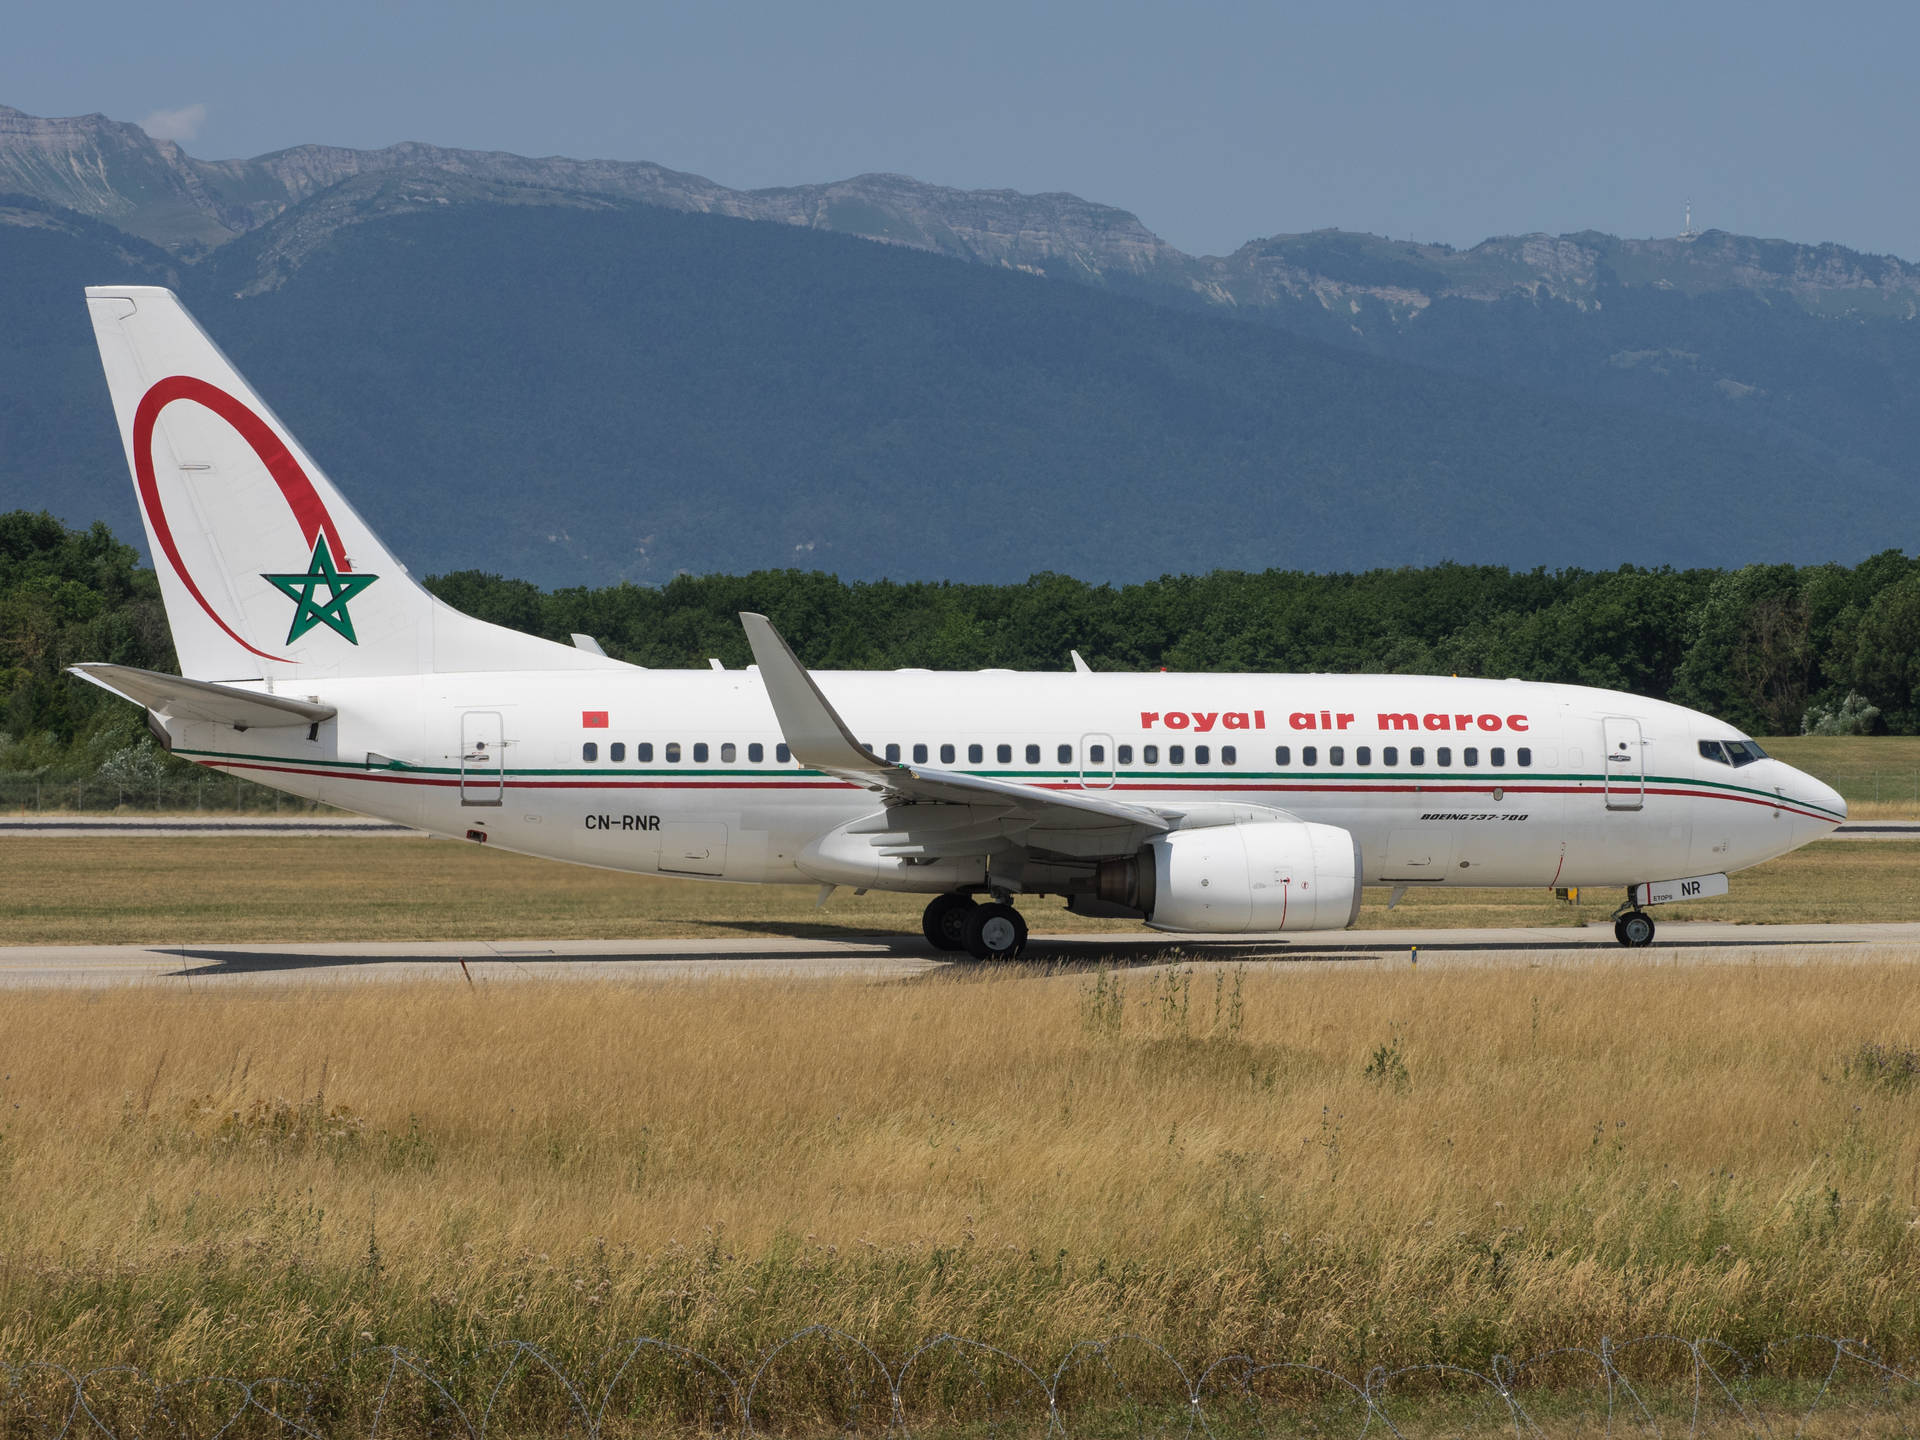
(152, 188)
(115, 172)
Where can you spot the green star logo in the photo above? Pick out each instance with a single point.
(321, 574)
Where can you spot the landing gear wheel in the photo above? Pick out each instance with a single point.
(945, 921)
(995, 932)
(1634, 929)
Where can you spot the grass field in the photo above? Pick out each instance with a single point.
(204, 889)
(1878, 774)
(1364, 1166)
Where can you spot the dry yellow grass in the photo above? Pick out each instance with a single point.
(204, 889)
(1364, 1165)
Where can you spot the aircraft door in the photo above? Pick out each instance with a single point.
(482, 758)
(1096, 762)
(1624, 757)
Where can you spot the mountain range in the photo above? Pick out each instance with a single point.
(594, 370)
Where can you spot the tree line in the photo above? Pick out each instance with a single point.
(1774, 649)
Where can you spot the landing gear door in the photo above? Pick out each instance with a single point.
(1625, 754)
(1096, 762)
(482, 758)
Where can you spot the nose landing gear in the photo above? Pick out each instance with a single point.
(1634, 929)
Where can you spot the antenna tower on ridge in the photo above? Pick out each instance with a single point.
(1689, 233)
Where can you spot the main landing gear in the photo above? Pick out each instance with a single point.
(986, 932)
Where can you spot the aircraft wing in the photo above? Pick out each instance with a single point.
(997, 812)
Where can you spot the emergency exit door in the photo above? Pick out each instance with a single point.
(482, 758)
(1625, 776)
(1096, 762)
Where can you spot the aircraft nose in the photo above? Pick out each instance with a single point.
(1818, 797)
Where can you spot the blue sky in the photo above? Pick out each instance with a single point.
(1215, 123)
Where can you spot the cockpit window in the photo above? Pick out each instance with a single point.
(1743, 752)
(1710, 750)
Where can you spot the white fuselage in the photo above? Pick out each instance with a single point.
(1442, 781)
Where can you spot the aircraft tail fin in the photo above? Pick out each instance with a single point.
(265, 569)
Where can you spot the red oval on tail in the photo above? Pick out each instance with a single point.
(309, 512)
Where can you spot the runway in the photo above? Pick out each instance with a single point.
(881, 958)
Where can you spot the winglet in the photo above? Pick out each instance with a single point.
(814, 731)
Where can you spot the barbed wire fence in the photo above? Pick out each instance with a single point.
(822, 1381)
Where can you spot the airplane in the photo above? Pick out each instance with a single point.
(1204, 804)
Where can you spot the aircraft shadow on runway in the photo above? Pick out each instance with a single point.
(1078, 952)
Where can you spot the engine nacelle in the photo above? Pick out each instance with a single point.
(1235, 879)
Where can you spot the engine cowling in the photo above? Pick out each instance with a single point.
(1236, 879)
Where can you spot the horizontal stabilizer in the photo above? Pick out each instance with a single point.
(201, 699)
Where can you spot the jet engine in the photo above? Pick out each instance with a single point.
(1235, 879)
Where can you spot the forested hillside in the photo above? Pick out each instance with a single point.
(584, 394)
(1769, 647)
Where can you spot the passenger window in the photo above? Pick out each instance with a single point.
(756, 752)
(1065, 754)
(1003, 754)
(1497, 757)
(893, 752)
(1443, 756)
(617, 751)
(1309, 755)
(1524, 756)
(975, 754)
(1416, 755)
(782, 753)
(946, 754)
(1033, 754)
(1201, 755)
(919, 754)
(1390, 755)
(1470, 757)
(1282, 755)
(673, 752)
(1096, 754)
(1336, 754)
(1125, 752)
(699, 752)
(1176, 754)
(1363, 755)
(589, 751)
(1228, 755)
(1151, 754)
(728, 753)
